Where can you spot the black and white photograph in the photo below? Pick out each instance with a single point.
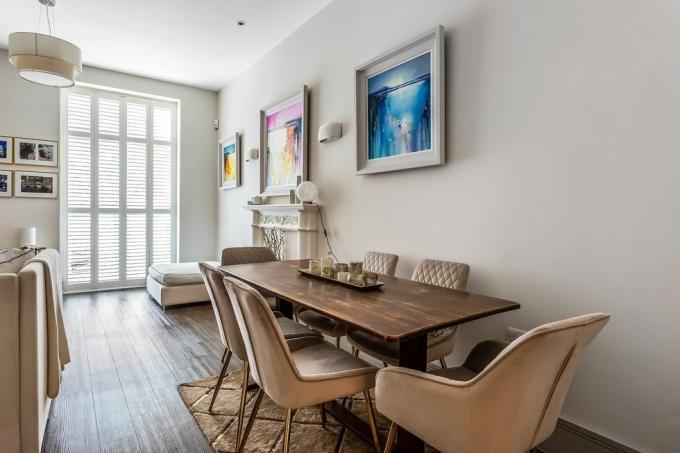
(28, 151)
(5, 183)
(5, 150)
(35, 184)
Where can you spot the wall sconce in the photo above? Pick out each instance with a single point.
(252, 154)
(330, 132)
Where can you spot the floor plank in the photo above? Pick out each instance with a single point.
(124, 445)
(111, 411)
(119, 392)
(72, 426)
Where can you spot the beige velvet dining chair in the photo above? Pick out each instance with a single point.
(298, 373)
(231, 335)
(509, 406)
(378, 262)
(250, 255)
(440, 344)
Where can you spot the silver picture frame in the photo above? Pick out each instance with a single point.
(431, 42)
(283, 189)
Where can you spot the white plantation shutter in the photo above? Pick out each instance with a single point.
(119, 208)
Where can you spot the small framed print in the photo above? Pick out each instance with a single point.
(33, 184)
(5, 150)
(5, 183)
(230, 162)
(28, 151)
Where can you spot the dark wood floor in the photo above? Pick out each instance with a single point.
(127, 358)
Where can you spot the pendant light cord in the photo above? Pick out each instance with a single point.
(49, 23)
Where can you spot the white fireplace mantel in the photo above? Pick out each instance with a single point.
(297, 222)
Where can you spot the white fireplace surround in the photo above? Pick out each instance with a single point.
(296, 222)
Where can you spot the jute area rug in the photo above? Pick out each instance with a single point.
(307, 435)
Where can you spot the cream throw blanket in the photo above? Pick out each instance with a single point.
(57, 345)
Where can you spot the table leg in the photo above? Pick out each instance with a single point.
(285, 307)
(412, 354)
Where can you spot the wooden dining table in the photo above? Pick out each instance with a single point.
(402, 310)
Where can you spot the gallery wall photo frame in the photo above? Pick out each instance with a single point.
(6, 183)
(230, 162)
(400, 106)
(283, 144)
(32, 151)
(6, 149)
(34, 184)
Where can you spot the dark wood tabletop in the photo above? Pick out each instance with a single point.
(399, 310)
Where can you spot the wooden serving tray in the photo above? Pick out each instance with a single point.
(306, 273)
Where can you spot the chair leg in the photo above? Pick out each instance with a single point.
(323, 416)
(286, 435)
(242, 405)
(251, 420)
(225, 364)
(337, 342)
(371, 421)
(390, 438)
(442, 362)
(224, 354)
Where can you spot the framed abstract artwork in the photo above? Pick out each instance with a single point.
(283, 144)
(5, 183)
(400, 107)
(5, 150)
(28, 151)
(35, 184)
(230, 162)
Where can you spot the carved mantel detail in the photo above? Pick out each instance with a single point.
(290, 230)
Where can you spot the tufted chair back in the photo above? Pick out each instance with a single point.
(381, 263)
(448, 274)
(247, 255)
(224, 313)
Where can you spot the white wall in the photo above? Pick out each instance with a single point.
(561, 183)
(30, 110)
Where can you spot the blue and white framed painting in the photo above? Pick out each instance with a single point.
(400, 107)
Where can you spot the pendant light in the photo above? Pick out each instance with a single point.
(45, 59)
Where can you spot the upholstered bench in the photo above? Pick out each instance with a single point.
(176, 283)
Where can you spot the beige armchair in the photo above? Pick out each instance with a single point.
(510, 406)
(440, 343)
(378, 262)
(301, 373)
(231, 335)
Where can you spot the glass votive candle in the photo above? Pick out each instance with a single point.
(315, 266)
(341, 267)
(356, 267)
(358, 279)
(327, 267)
(343, 277)
(370, 278)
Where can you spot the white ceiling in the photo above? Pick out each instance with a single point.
(193, 42)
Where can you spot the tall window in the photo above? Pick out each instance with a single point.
(119, 210)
